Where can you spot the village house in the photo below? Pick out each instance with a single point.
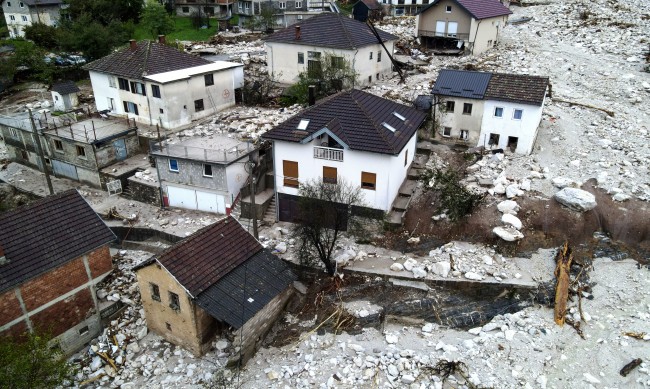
(355, 136)
(301, 48)
(53, 253)
(21, 14)
(205, 8)
(462, 25)
(201, 173)
(20, 139)
(490, 109)
(157, 84)
(363, 10)
(218, 281)
(64, 95)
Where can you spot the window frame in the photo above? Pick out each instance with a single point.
(123, 84)
(370, 56)
(406, 156)
(379, 56)
(495, 112)
(337, 62)
(138, 88)
(467, 108)
(365, 184)
(155, 291)
(174, 301)
(298, 4)
(288, 181)
(155, 91)
(111, 82)
(169, 164)
(81, 151)
(58, 145)
(514, 114)
(282, 5)
(446, 132)
(301, 58)
(466, 132)
(198, 105)
(24, 18)
(205, 173)
(208, 79)
(452, 104)
(21, 4)
(448, 9)
(327, 177)
(13, 132)
(12, 18)
(185, 10)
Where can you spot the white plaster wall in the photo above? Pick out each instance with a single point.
(236, 178)
(57, 99)
(390, 170)
(102, 91)
(482, 31)
(283, 61)
(525, 129)
(458, 121)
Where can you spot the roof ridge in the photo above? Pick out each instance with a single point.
(371, 119)
(346, 32)
(39, 202)
(145, 63)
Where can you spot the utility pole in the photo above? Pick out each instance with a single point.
(250, 169)
(39, 150)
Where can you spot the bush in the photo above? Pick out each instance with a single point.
(455, 200)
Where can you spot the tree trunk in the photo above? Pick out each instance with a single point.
(330, 266)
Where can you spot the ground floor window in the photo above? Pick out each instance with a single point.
(368, 180)
(446, 131)
(329, 175)
(130, 107)
(494, 139)
(464, 134)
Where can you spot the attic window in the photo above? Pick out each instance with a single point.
(303, 124)
(400, 117)
(250, 300)
(391, 128)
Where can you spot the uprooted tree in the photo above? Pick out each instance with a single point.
(455, 200)
(325, 211)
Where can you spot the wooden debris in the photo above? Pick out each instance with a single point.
(563, 266)
(630, 366)
(576, 326)
(635, 335)
(607, 111)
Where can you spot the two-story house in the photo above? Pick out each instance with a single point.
(301, 47)
(20, 14)
(490, 109)
(366, 140)
(471, 25)
(154, 83)
(205, 8)
(205, 174)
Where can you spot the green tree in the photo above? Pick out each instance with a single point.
(106, 12)
(454, 199)
(94, 39)
(28, 56)
(156, 19)
(43, 35)
(31, 362)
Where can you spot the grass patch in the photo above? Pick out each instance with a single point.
(183, 31)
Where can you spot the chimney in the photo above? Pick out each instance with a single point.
(312, 95)
(134, 44)
(161, 39)
(297, 33)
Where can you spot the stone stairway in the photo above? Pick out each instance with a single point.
(406, 191)
(269, 215)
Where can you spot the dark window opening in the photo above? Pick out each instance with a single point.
(467, 109)
(174, 301)
(209, 79)
(368, 180)
(450, 106)
(155, 91)
(207, 170)
(198, 105)
(155, 292)
(81, 152)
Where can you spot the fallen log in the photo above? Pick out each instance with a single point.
(607, 111)
(630, 366)
(563, 266)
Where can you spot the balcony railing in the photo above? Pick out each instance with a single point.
(459, 36)
(328, 153)
(199, 153)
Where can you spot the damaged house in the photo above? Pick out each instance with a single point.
(220, 280)
(156, 84)
(493, 110)
(471, 26)
(53, 253)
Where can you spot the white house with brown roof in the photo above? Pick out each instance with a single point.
(366, 140)
(24, 13)
(469, 25)
(156, 84)
(493, 110)
(301, 47)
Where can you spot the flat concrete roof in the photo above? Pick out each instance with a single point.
(189, 72)
(92, 130)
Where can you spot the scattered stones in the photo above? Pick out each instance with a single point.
(508, 234)
(576, 199)
(512, 220)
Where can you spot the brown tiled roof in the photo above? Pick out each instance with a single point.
(478, 9)
(65, 87)
(517, 88)
(356, 118)
(200, 260)
(146, 59)
(46, 234)
(330, 30)
(371, 4)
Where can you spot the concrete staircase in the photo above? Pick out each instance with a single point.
(403, 200)
(269, 215)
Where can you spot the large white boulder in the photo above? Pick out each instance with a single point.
(511, 220)
(508, 206)
(441, 269)
(576, 199)
(508, 234)
(410, 263)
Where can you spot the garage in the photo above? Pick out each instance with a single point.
(195, 199)
(62, 169)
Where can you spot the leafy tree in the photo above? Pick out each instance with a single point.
(94, 39)
(29, 56)
(324, 212)
(156, 19)
(455, 199)
(30, 362)
(106, 12)
(43, 35)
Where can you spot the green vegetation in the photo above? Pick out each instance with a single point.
(453, 198)
(183, 31)
(155, 19)
(31, 362)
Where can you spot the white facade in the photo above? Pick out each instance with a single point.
(170, 99)
(390, 170)
(370, 62)
(453, 123)
(514, 133)
(19, 15)
(64, 102)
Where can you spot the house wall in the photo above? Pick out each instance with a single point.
(46, 14)
(106, 155)
(390, 170)
(525, 129)
(191, 173)
(61, 301)
(18, 140)
(282, 59)
(426, 21)
(485, 33)
(148, 193)
(59, 105)
(458, 121)
(187, 326)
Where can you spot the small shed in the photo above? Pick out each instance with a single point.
(64, 95)
(363, 10)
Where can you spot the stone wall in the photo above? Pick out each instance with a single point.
(144, 192)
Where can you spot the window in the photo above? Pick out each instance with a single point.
(489, 43)
(450, 106)
(379, 56)
(58, 145)
(173, 165)
(209, 79)
(467, 109)
(371, 55)
(406, 157)
(162, 110)
(24, 155)
(207, 170)
(81, 152)
(21, 4)
(13, 132)
(464, 134)
(368, 180)
(448, 9)
(83, 330)
(247, 6)
(517, 114)
(24, 18)
(377, 76)
(498, 112)
(185, 10)
(313, 54)
(494, 139)
(155, 91)
(8, 4)
(130, 107)
(174, 302)
(329, 175)
(138, 88)
(290, 172)
(298, 4)
(283, 5)
(124, 84)
(301, 58)
(111, 82)
(12, 18)
(155, 291)
(337, 62)
(198, 105)
(240, 6)
(446, 131)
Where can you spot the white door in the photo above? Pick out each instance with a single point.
(207, 202)
(181, 197)
(221, 204)
(452, 28)
(440, 28)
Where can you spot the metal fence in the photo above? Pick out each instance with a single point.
(199, 153)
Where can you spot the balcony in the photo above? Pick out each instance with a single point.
(328, 153)
(439, 34)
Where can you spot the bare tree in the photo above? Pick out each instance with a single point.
(325, 210)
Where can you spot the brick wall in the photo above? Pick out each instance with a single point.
(65, 314)
(100, 261)
(53, 284)
(9, 307)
